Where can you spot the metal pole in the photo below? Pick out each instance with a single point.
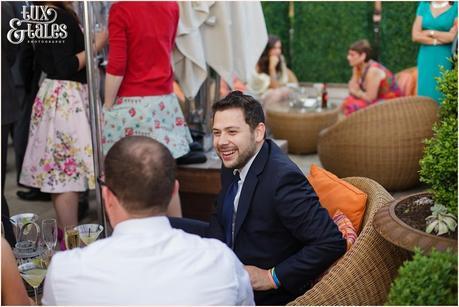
(94, 111)
(377, 29)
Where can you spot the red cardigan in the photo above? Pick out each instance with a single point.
(141, 40)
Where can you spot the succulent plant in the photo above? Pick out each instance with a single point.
(424, 201)
(440, 221)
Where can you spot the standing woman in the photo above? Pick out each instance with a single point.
(435, 28)
(59, 158)
(139, 96)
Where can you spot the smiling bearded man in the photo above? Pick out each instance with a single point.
(267, 211)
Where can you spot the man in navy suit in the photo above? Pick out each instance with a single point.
(267, 211)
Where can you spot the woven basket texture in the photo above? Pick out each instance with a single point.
(301, 129)
(364, 274)
(383, 142)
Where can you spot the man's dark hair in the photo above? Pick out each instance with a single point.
(141, 173)
(253, 111)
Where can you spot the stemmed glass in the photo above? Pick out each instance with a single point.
(34, 273)
(72, 237)
(49, 232)
(89, 232)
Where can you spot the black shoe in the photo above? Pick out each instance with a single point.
(192, 157)
(83, 208)
(33, 195)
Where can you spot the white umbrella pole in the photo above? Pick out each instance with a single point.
(94, 111)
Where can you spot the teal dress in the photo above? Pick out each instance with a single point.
(430, 57)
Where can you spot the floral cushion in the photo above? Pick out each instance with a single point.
(345, 226)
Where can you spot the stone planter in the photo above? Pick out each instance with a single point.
(394, 230)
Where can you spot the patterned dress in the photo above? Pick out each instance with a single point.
(388, 89)
(58, 157)
(158, 117)
(59, 152)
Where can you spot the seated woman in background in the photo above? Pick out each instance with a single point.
(371, 82)
(272, 75)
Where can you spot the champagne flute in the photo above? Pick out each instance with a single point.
(49, 232)
(72, 237)
(33, 272)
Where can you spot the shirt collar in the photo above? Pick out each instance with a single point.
(139, 225)
(243, 171)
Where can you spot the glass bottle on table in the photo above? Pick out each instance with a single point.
(324, 96)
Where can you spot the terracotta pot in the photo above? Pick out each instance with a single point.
(394, 230)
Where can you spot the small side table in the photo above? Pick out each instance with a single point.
(299, 126)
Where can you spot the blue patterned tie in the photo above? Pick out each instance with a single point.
(228, 209)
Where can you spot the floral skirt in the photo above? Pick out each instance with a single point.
(59, 151)
(158, 117)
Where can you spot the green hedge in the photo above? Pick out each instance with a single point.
(324, 30)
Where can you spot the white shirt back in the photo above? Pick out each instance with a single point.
(146, 261)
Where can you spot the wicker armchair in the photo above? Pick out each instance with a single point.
(383, 142)
(364, 274)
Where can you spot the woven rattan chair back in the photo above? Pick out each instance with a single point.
(383, 142)
(364, 274)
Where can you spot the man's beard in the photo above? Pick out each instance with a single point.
(246, 155)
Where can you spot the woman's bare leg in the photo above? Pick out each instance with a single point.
(66, 207)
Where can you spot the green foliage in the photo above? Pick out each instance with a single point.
(397, 49)
(426, 280)
(277, 23)
(323, 31)
(439, 163)
(440, 221)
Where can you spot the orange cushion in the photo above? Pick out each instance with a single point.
(335, 193)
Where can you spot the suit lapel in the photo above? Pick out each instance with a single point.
(249, 186)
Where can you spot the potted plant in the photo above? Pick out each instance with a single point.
(426, 280)
(429, 220)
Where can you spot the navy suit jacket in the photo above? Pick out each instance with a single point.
(280, 223)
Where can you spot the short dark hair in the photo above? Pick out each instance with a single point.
(141, 172)
(253, 111)
(362, 46)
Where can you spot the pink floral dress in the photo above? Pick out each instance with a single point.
(59, 151)
(158, 117)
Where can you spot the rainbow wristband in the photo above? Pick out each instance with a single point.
(274, 276)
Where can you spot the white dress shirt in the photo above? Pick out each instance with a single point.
(242, 174)
(146, 261)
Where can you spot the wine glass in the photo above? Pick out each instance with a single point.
(33, 272)
(72, 237)
(89, 232)
(49, 232)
